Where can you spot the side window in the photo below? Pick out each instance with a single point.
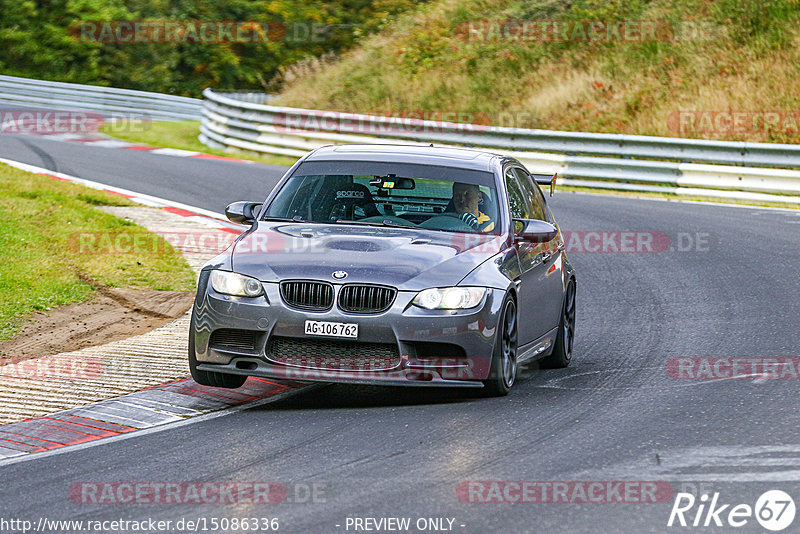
(294, 198)
(533, 195)
(516, 198)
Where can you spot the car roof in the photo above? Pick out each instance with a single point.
(464, 158)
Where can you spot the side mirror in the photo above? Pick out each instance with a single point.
(243, 212)
(534, 231)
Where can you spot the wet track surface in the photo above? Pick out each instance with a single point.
(727, 288)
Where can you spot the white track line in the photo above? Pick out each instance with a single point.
(147, 200)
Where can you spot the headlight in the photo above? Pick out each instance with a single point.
(235, 284)
(450, 298)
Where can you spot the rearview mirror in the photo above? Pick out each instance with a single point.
(534, 231)
(243, 212)
(391, 181)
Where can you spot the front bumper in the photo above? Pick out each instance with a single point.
(433, 347)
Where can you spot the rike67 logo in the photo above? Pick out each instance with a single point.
(774, 510)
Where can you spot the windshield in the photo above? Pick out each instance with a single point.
(389, 200)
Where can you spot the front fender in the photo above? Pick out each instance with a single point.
(498, 272)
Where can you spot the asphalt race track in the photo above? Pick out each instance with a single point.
(725, 285)
(200, 183)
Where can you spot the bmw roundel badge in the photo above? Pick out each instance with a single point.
(340, 275)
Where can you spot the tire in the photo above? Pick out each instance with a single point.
(562, 349)
(503, 370)
(210, 378)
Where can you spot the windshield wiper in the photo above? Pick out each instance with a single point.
(385, 222)
(296, 218)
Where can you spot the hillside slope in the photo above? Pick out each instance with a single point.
(717, 69)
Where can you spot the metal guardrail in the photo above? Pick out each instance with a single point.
(27, 92)
(628, 162)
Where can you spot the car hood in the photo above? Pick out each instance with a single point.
(407, 259)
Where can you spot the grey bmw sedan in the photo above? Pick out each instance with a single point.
(387, 264)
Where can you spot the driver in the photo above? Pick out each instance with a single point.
(466, 198)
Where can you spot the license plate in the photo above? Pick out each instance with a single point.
(330, 329)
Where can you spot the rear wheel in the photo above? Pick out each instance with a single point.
(504, 360)
(210, 378)
(562, 350)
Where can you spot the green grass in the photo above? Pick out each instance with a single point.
(182, 135)
(40, 262)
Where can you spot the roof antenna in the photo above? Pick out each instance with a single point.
(431, 145)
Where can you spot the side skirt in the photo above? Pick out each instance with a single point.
(538, 349)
